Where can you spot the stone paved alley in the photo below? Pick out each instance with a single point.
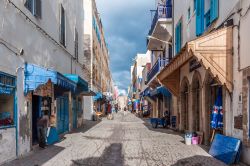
(126, 140)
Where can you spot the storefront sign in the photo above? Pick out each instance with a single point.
(193, 65)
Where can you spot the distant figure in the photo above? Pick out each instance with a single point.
(109, 108)
(42, 126)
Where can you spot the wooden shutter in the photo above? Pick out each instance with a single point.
(178, 37)
(199, 17)
(214, 10)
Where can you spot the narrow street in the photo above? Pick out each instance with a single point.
(126, 140)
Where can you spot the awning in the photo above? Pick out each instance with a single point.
(88, 93)
(82, 85)
(36, 76)
(213, 51)
(146, 92)
(160, 90)
(98, 96)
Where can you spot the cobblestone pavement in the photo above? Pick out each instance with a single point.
(126, 140)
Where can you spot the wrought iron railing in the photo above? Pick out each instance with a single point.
(162, 11)
(158, 66)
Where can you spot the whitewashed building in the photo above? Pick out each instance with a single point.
(96, 57)
(45, 38)
(210, 43)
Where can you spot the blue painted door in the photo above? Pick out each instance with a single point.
(74, 108)
(62, 114)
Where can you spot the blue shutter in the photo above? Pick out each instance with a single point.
(199, 17)
(214, 10)
(178, 37)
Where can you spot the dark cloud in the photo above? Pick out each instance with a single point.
(126, 24)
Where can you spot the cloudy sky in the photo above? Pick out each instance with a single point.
(126, 24)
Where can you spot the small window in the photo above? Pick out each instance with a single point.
(35, 7)
(189, 13)
(76, 44)
(62, 27)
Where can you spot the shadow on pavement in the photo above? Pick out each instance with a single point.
(37, 158)
(111, 156)
(88, 124)
(199, 161)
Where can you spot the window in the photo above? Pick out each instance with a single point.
(76, 45)
(35, 7)
(189, 13)
(62, 27)
(7, 100)
(178, 37)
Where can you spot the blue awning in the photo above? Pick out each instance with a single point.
(36, 76)
(160, 90)
(98, 96)
(146, 92)
(82, 85)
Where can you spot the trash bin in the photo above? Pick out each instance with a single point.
(188, 138)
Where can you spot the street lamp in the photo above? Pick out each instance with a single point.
(166, 42)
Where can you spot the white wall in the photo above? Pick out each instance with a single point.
(17, 32)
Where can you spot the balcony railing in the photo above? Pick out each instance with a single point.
(158, 66)
(163, 11)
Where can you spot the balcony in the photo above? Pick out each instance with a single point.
(158, 66)
(162, 12)
(161, 27)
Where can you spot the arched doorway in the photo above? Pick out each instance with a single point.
(185, 104)
(196, 101)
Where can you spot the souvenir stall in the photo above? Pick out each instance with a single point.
(49, 92)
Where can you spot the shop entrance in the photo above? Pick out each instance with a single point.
(62, 114)
(196, 102)
(36, 113)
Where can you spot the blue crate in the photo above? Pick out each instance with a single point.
(226, 149)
